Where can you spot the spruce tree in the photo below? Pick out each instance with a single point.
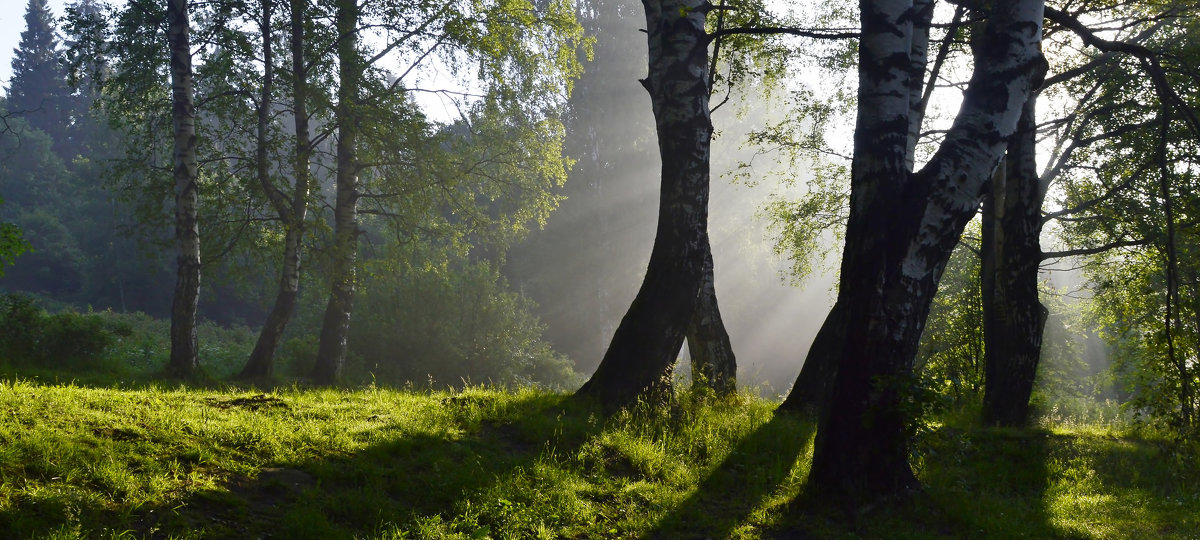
(38, 85)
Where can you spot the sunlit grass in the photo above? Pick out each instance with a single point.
(175, 462)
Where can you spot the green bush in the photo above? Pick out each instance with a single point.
(448, 322)
(20, 325)
(31, 338)
(297, 356)
(146, 346)
(224, 349)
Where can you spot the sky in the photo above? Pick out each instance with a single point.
(12, 23)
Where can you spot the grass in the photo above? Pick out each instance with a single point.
(175, 462)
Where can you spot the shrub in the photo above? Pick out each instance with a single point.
(145, 346)
(448, 322)
(29, 337)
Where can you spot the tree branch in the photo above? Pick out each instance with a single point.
(1093, 250)
(773, 30)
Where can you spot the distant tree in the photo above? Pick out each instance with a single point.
(12, 243)
(335, 328)
(38, 187)
(292, 209)
(184, 359)
(38, 88)
(479, 181)
(86, 65)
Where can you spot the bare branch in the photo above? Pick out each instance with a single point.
(776, 30)
(1094, 250)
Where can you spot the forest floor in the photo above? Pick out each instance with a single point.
(155, 461)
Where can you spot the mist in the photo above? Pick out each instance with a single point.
(585, 266)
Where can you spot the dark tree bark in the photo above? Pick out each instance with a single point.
(810, 392)
(335, 326)
(646, 343)
(1013, 316)
(713, 361)
(901, 231)
(292, 213)
(184, 360)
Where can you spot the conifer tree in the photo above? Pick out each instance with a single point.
(38, 82)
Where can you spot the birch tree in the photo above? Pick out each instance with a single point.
(291, 209)
(903, 225)
(652, 331)
(184, 349)
(335, 326)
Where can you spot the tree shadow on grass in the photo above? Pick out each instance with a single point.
(758, 467)
(405, 473)
(403, 481)
(976, 483)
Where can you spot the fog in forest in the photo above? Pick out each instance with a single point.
(584, 268)
(431, 309)
(583, 287)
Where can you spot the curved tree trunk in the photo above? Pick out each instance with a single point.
(335, 326)
(713, 361)
(1013, 317)
(262, 359)
(648, 339)
(902, 229)
(184, 350)
(810, 393)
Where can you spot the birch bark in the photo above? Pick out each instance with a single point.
(649, 337)
(335, 327)
(184, 360)
(902, 229)
(292, 213)
(1013, 316)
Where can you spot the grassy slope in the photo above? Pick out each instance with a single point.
(179, 463)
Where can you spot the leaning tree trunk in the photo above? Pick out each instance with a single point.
(810, 392)
(902, 228)
(184, 359)
(1013, 317)
(650, 335)
(262, 359)
(713, 361)
(335, 327)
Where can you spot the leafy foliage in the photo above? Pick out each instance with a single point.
(430, 317)
(950, 359)
(1127, 180)
(1127, 306)
(29, 337)
(12, 243)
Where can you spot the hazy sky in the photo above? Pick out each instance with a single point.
(12, 23)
